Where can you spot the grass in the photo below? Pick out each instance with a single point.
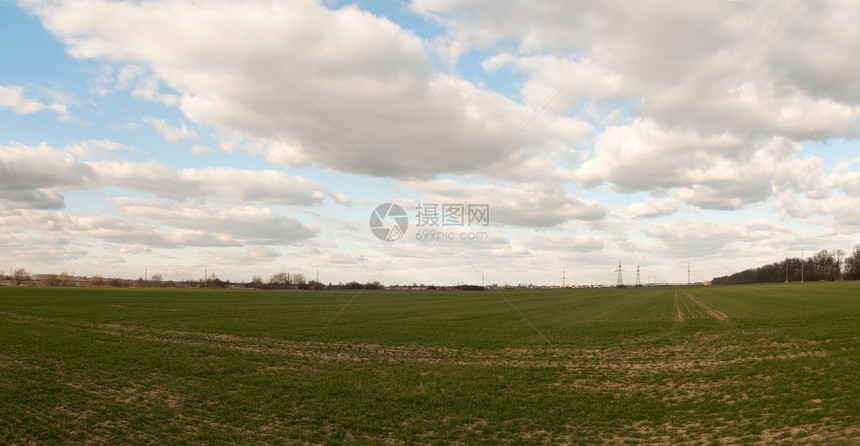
(767, 363)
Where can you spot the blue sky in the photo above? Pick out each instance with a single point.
(245, 139)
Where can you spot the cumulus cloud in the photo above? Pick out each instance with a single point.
(693, 238)
(166, 224)
(699, 85)
(680, 108)
(31, 177)
(49, 249)
(33, 199)
(34, 177)
(230, 184)
(340, 88)
(215, 225)
(713, 172)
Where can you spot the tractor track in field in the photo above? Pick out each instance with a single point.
(679, 314)
(716, 314)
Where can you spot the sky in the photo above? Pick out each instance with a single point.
(525, 142)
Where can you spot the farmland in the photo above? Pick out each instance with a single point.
(767, 363)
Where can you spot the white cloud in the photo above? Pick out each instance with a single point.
(302, 75)
(702, 85)
(688, 112)
(34, 177)
(86, 149)
(124, 126)
(134, 249)
(578, 244)
(214, 225)
(711, 172)
(198, 149)
(250, 256)
(692, 238)
(31, 177)
(150, 88)
(652, 208)
(49, 250)
(229, 184)
(165, 224)
(529, 205)
(13, 97)
(173, 134)
(343, 258)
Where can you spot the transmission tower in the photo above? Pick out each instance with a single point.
(638, 280)
(620, 281)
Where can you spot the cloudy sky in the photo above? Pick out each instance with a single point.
(246, 138)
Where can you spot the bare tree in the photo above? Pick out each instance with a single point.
(298, 279)
(48, 280)
(852, 264)
(825, 264)
(96, 281)
(281, 278)
(21, 276)
(64, 279)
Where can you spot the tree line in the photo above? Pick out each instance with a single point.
(286, 280)
(278, 281)
(823, 266)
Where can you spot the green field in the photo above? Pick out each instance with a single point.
(775, 363)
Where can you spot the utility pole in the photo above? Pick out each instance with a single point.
(638, 279)
(801, 266)
(689, 282)
(562, 277)
(786, 270)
